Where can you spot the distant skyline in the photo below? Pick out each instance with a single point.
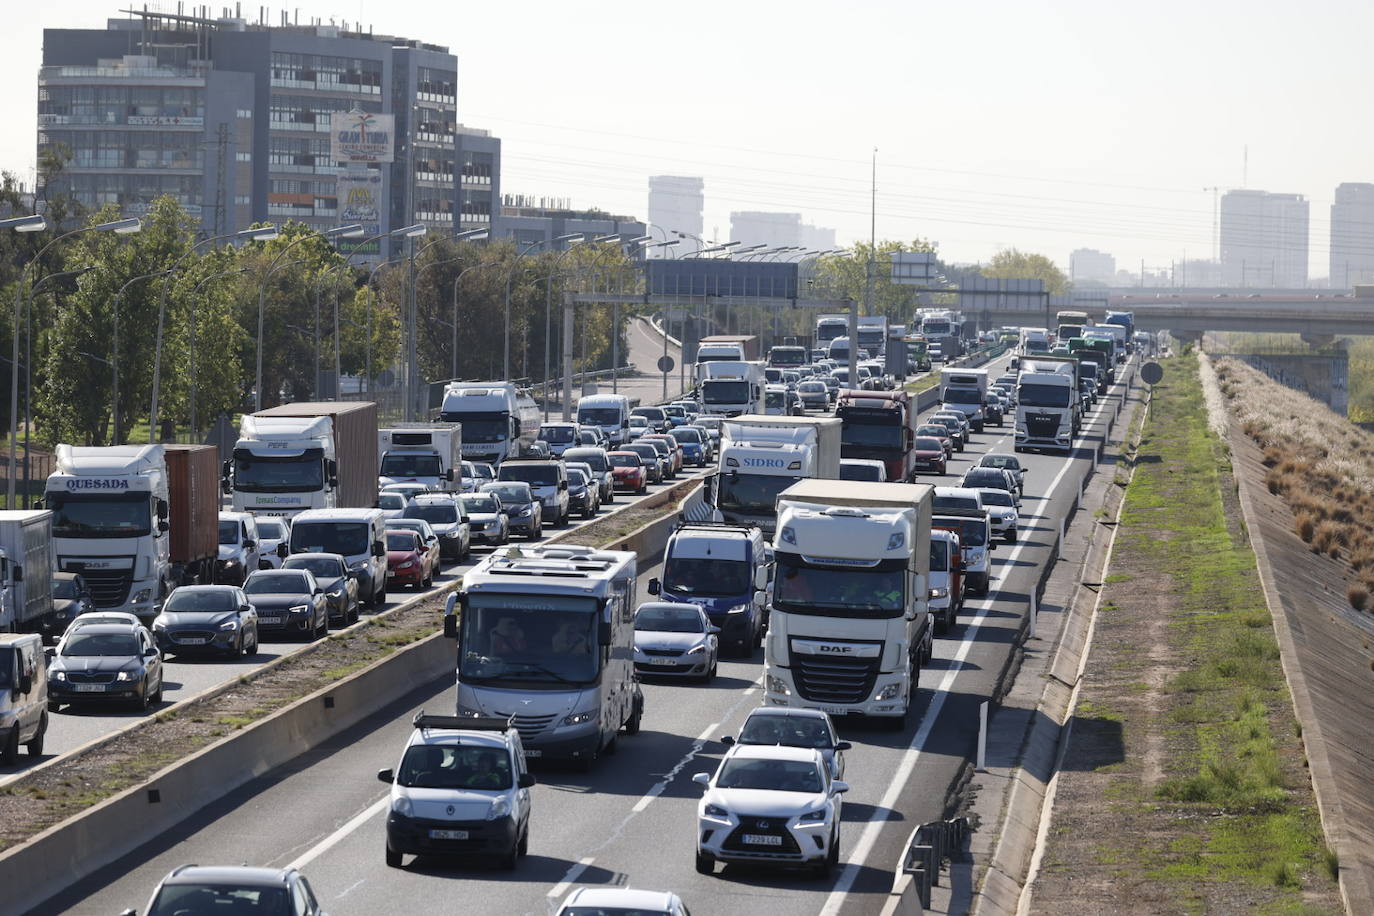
(977, 112)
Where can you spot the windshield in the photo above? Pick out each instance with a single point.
(685, 619)
(991, 497)
(557, 435)
(347, 539)
(777, 775)
(626, 461)
(435, 514)
(1001, 461)
(935, 328)
(986, 477)
(812, 387)
(963, 396)
(484, 471)
(927, 444)
(939, 555)
(577, 478)
(322, 567)
(645, 451)
(706, 576)
(486, 428)
(198, 899)
(126, 515)
(272, 531)
(411, 465)
(545, 640)
(774, 400)
(185, 600)
(1032, 395)
(444, 766)
(871, 435)
(752, 492)
(391, 501)
(89, 645)
(276, 583)
(536, 475)
(956, 502)
(229, 531)
(939, 432)
(595, 458)
(709, 423)
(279, 474)
(869, 592)
(510, 494)
(402, 540)
(973, 532)
(598, 416)
(481, 504)
(787, 356)
(652, 414)
(789, 731)
(687, 434)
(850, 471)
(722, 392)
(65, 588)
(638, 423)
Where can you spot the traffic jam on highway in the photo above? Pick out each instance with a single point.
(761, 696)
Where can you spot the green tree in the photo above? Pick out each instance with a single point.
(1010, 263)
(846, 277)
(205, 347)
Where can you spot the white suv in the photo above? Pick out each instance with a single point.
(460, 789)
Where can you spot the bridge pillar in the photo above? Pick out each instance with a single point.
(1318, 340)
(1188, 337)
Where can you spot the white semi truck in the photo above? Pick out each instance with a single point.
(850, 625)
(419, 453)
(761, 456)
(499, 420)
(308, 455)
(731, 387)
(1047, 403)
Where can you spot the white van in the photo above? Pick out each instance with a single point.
(23, 695)
(610, 413)
(357, 535)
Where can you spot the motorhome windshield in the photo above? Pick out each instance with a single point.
(715, 391)
(480, 427)
(279, 473)
(598, 416)
(1033, 395)
(410, 466)
(752, 492)
(963, 396)
(348, 539)
(705, 576)
(100, 515)
(877, 591)
(541, 641)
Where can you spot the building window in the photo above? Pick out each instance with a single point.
(242, 200)
(245, 114)
(243, 157)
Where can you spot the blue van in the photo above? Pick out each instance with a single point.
(724, 569)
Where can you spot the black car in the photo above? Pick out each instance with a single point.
(992, 409)
(583, 495)
(233, 889)
(109, 662)
(70, 599)
(207, 618)
(288, 601)
(331, 572)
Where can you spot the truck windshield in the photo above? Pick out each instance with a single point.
(279, 474)
(707, 577)
(1032, 395)
(410, 466)
(872, 435)
(598, 416)
(480, 427)
(545, 641)
(752, 492)
(100, 515)
(720, 392)
(963, 396)
(348, 539)
(877, 591)
(935, 328)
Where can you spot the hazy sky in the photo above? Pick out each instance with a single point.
(1046, 126)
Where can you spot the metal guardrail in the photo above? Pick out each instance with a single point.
(927, 849)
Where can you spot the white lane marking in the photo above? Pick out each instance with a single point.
(657, 788)
(574, 872)
(350, 889)
(338, 836)
(869, 838)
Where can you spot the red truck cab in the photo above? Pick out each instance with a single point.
(879, 425)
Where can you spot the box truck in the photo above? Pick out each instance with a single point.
(26, 568)
(761, 456)
(421, 453)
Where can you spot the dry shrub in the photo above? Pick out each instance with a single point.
(1330, 532)
(1333, 551)
(1306, 526)
(1358, 596)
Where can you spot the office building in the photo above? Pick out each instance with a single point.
(1087, 265)
(1352, 235)
(1263, 240)
(252, 121)
(536, 222)
(816, 238)
(675, 207)
(756, 227)
(479, 188)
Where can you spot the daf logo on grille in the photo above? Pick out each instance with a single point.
(449, 809)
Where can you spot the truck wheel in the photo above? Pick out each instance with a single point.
(632, 724)
(35, 747)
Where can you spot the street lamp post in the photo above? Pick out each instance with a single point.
(574, 238)
(510, 278)
(114, 354)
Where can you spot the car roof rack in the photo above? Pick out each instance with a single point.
(465, 723)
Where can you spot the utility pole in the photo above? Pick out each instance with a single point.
(872, 245)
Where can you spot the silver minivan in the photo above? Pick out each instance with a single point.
(23, 695)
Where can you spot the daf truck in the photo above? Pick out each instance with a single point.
(879, 425)
(26, 568)
(546, 640)
(307, 455)
(420, 453)
(135, 521)
(731, 387)
(850, 626)
(1048, 407)
(499, 420)
(966, 390)
(761, 456)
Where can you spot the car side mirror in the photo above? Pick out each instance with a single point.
(450, 626)
(448, 475)
(378, 549)
(250, 544)
(128, 913)
(702, 779)
(387, 776)
(16, 572)
(843, 746)
(727, 740)
(526, 781)
(283, 551)
(319, 591)
(761, 578)
(562, 484)
(838, 787)
(50, 653)
(655, 587)
(149, 652)
(713, 631)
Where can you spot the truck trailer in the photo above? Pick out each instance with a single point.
(421, 453)
(307, 455)
(880, 425)
(26, 568)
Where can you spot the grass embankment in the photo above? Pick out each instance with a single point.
(1184, 789)
(1319, 462)
(924, 383)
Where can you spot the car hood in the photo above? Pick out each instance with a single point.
(174, 619)
(96, 663)
(932, 453)
(65, 607)
(330, 584)
(483, 518)
(660, 639)
(400, 556)
(450, 804)
(443, 528)
(277, 600)
(765, 802)
(229, 551)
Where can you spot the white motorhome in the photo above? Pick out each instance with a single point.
(761, 456)
(499, 420)
(546, 636)
(731, 387)
(965, 390)
(850, 626)
(610, 412)
(419, 453)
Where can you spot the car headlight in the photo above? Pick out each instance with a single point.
(406, 565)
(715, 811)
(890, 692)
(336, 594)
(358, 566)
(696, 650)
(58, 675)
(298, 609)
(500, 807)
(142, 595)
(738, 609)
(578, 718)
(402, 806)
(159, 622)
(127, 675)
(524, 511)
(813, 817)
(451, 534)
(230, 564)
(939, 593)
(778, 685)
(230, 625)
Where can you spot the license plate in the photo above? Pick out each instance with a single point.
(836, 710)
(448, 834)
(762, 839)
(270, 621)
(390, 574)
(533, 752)
(89, 688)
(663, 661)
(193, 641)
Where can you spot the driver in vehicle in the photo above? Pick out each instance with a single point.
(507, 638)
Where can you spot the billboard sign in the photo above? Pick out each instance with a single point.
(360, 136)
(360, 198)
(694, 277)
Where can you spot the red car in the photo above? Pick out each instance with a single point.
(407, 559)
(938, 431)
(928, 454)
(628, 471)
